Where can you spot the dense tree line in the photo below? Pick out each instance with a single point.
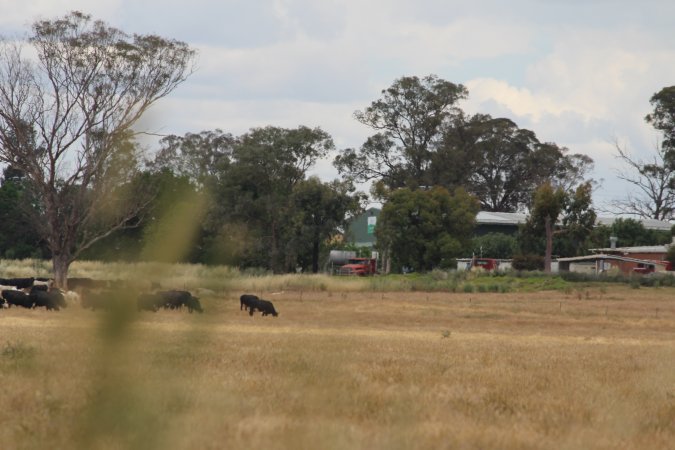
(247, 200)
(424, 139)
(425, 144)
(426, 229)
(258, 206)
(76, 184)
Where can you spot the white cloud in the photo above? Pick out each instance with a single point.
(20, 15)
(591, 81)
(180, 116)
(579, 76)
(460, 39)
(521, 102)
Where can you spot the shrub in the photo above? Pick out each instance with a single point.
(493, 288)
(528, 262)
(438, 274)
(495, 245)
(670, 256)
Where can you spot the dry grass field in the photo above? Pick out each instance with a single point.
(348, 370)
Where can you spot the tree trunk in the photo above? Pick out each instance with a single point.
(274, 249)
(315, 256)
(60, 264)
(549, 244)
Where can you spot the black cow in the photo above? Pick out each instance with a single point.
(19, 283)
(264, 306)
(246, 301)
(193, 305)
(17, 298)
(52, 299)
(177, 299)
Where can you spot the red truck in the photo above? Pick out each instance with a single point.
(359, 266)
(487, 264)
(651, 268)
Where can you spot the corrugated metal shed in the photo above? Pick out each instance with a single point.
(502, 218)
(650, 224)
(639, 249)
(603, 256)
(362, 228)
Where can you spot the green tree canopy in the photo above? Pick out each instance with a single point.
(267, 164)
(423, 139)
(18, 235)
(408, 118)
(495, 245)
(317, 211)
(501, 163)
(563, 220)
(663, 116)
(578, 222)
(424, 229)
(629, 233)
(547, 205)
(202, 157)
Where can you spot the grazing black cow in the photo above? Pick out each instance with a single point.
(177, 299)
(193, 305)
(264, 306)
(246, 300)
(17, 298)
(52, 299)
(19, 283)
(39, 287)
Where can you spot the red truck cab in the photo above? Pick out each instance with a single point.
(487, 264)
(359, 266)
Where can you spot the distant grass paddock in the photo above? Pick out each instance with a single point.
(345, 366)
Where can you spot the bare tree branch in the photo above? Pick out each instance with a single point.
(652, 181)
(65, 119)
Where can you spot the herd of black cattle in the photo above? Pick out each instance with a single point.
(93, 294)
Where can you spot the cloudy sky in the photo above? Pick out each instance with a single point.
(577, 72)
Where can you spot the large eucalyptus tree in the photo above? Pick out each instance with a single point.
(70, 93)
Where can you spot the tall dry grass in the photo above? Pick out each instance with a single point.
(223, 279)
(592, 369)
(189, 276)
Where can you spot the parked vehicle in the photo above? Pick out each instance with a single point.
(359, 267)
(487, 264)
(651, 268)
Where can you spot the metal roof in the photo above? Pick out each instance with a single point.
(650, 224)
(639, 249)
(500, 218)
(610, 257)
(503, 218)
